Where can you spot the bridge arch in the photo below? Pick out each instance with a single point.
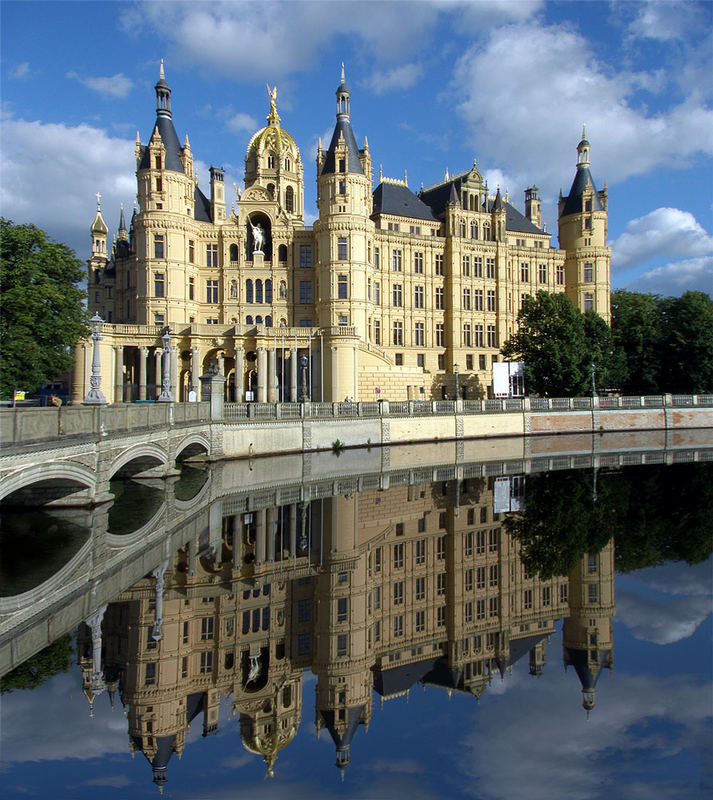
(194, 444)
(43, 483)
(138, 459)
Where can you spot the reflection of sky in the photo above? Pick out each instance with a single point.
(650, 732)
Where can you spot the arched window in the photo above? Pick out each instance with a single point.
(283, 322)
(268, 291)
(473, 230)
(287, 163)
(271, 162)
(248, 291)
(282, 252)
(233, 252)
(465, 201)
(258, 291)
(248, 320)
(258, 320)
(486, 231)
(271, 190)
(289, 199)
(462, 230)
(472, 202)
(268, 322)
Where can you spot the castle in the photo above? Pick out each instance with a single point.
(391, 294)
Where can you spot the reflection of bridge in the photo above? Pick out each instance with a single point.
(49, 454)
(107, 564)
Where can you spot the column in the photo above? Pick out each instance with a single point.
(293, 529)
(335, 377)
(94, 622)
(159, 573)
(220, 358)
(237, 542)
(271, 363)
(293, 375)
(239, 374)
(118, 373)
(260, 549)
(174, 373)
(143, 355)
(261, 375)
(271, 526)
(157, 354)
(196, 370)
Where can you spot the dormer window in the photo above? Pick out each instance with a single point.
(287, 163)
(271, 162)
(158, 162)
(342, 165)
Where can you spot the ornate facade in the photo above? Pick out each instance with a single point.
(388, 295)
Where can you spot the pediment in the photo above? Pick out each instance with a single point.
(255, 194)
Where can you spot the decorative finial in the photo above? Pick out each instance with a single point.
(99, 203)
(475, 163)
(161, 74)
(381, 173)
(447, 175)
(343, 78)
(584, 130)
(406, 177)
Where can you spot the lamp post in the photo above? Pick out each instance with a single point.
(455, 367)
(94, 395)
(593, 368)
(166, 396)
(304, 361)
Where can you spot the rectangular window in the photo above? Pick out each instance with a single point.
(588, 301)
(377, 631)
(477, 267)
(527, 599)
(468, 580)
(150, 674)
(524, 272)
(591, 563)
(398, 623)
(305, 292)
(468, 541)
(377, 293)
(546, 596)
(396, 294)
(158, 284)
(494, 575)
(191, 251)
(398, 593)
(480, 609)
(414, 229)
(211, 291)
(564, 593)
(480, 542)
(441, 583)
(377, 258)
(466, 299)
(420, 593)
(342, 248)
(158, 249)
(206, 662)
(441, 616)
(418, 263)
(542, 273)
(466, 266)
(489, 267)
(377, 331)
(191, 288)
(420, 621)
(377, 598)
(441, 548)
(420, 360)
(592, 593)
(418, 296)
(481, 357)
(492, 338)
(493, 607)
(439, 264)
(420, 555)
(399, 556)
(304, 610)
(491, 300)
(440, 335)
(303, 644)
(398, 333)
(468, 612)
(493, 539)
(211, 258)
(560, 274)
(478, 300)
(393, 226)
(342, 644)
(440, 304)
(396, 261)
(305, 256)
(419, 334)
(588, 273)
(341, 609)
(342, 288)
(480, 578)
(207, 628)
(467, 340)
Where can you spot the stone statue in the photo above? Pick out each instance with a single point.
(255, 669)
(258, 237)
(272, 94)
(233, 289)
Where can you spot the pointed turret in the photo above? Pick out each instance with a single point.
(165, 130)
(343, 138)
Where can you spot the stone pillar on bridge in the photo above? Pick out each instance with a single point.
(293, 530)
(158, 372)
(260, 543)
(174, 373)
(239, 374)
(118, 373)
(160, 574)
(271, 375)
(196, 370)
(271, 527)
(237, 542)
(143, 358)
(213, 391)
(293, 375)
(261, 375)
(94, 623)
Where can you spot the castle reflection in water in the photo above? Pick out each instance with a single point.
(373, 592)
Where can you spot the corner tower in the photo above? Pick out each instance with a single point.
(583, 221)
(343, 230)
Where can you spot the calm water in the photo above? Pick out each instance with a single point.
(374, 636)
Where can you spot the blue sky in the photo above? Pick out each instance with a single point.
(434, 85)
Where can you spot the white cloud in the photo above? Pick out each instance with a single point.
(662, 233)
(678, 578)
(20, 71)
(665, 21)
(672, 280)
(397, 78)
(242, 122)
(527, 90)
(661, 621)
(54, 193)
(114, 86)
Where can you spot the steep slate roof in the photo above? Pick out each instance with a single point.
(353, 718)
(518, 647)
(343, 126)
(438, 197)
(168, 135)
(399, 200)
(515, 221)
(573, 203)
(202, 206)
(399, 679)
(579, 660)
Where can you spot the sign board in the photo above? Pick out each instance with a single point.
(19, 395)
(249, 396)
(192, 396)
(508, 379)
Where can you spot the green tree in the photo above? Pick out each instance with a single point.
(637, 333)
(686, 353)
(558, 344)
(41, 307)
(55, 658)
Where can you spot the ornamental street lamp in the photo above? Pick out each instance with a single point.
(455, 367)
(94, 395)
(593, 368)
(304, 361)
(166, 396)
